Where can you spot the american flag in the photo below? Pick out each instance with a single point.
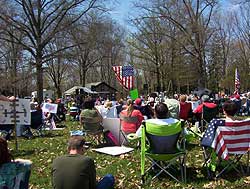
(237, 81)
(228, 137)
(125, 75)
(208, 137)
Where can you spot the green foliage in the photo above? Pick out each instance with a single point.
(126, 168)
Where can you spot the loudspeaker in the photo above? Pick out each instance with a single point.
(81, 91)
(77, 91)
(92, 88)
(158, 89)
(145, 87)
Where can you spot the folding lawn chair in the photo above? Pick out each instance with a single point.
(92, 126)
(230, 140)
(124, 137)
(37, 122)
(164, 146)
(6, 131)
(207, 115)
(15, 175)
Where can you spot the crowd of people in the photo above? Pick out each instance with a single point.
(75, 170)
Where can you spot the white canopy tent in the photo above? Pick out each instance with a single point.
(72, 90)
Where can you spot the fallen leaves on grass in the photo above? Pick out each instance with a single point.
(247, 180)
(209, 185)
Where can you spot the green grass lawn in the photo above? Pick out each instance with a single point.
(126, 168)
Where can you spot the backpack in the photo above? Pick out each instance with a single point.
(110, 139)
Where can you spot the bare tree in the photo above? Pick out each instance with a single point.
(192, 19)
(56, 68)
(40, 21)
(242, 31)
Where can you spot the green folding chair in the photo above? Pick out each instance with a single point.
(164, 146)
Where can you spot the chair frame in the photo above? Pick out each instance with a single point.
(168, 158)
(231, 163)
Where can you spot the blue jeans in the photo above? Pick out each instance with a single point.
(107, 182)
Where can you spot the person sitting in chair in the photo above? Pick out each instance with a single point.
(185, 108)
(162, 115)
(75, 170)
(108, 110)
(146, 110)
(18, 170)
(90, 118)
(205, 102)
(229, 110)
(162, 119)
(129, 113)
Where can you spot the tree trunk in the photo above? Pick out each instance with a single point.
(58, 92)
(158, 79)
(39, 77)
(83, 78)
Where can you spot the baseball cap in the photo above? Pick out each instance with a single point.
(138, 101)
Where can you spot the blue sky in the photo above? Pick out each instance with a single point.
(121, 11)
(124, 8)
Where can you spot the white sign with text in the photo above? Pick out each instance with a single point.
(22, 107)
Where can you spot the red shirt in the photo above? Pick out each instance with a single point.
(185, 109)
(207, 104)
(131, 127)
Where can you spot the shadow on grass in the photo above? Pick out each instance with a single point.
(232, 175)
(48, 135)
(192, 174)
(17, 153)
(229, 175)
(190, 146)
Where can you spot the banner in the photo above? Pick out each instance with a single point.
(22, 107)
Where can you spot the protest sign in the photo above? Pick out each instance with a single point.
(134, 94)
(49, 107)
